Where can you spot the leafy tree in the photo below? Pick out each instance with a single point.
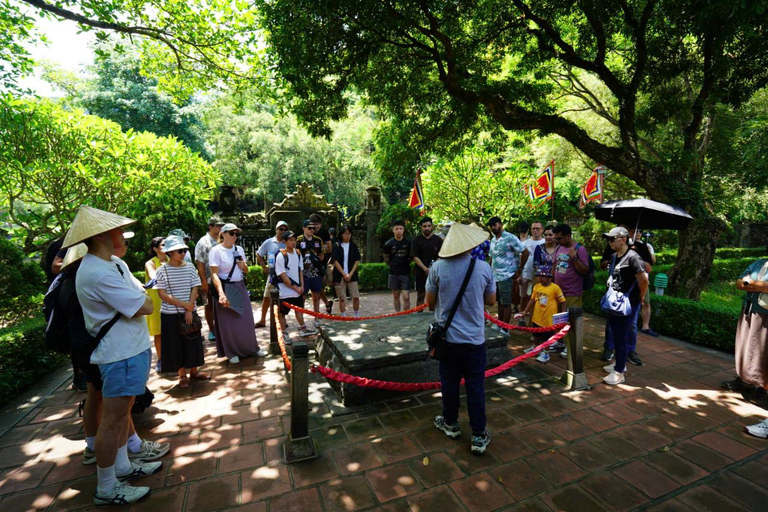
(55, 160)
(653, 70)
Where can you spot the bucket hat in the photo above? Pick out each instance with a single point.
(173, 243)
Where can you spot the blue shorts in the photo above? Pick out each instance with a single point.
(127, 377)
(313, 284)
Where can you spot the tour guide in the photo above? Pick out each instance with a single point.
(465, 348)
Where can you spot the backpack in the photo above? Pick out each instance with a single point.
(142, 402)
(589, 277)
(274, 279)
(57, 336)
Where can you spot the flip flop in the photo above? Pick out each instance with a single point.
(200, 376)
(184, 383)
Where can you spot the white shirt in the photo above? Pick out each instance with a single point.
(102, 293)
(530, 244)
(295, 267)
(224, 258)
(345, 248)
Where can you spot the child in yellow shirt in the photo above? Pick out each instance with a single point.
(546, 300)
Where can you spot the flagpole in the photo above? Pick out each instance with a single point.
(553, 192)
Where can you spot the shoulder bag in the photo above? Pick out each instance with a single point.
(188, 331)
(614, 302)
(436, 333)
(214, 291)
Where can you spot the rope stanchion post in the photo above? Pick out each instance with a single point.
(574, 377)
(300, 445)
(274, 304)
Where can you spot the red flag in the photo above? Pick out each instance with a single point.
(593, 188)
(417, 194)
(543, 187)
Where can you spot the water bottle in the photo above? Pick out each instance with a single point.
(271, 260)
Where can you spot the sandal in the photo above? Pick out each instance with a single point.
(200, 376)
(184, 383)
(260, 325)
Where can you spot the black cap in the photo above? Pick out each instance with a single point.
(306, 223)
(493, 221)
(289, 234)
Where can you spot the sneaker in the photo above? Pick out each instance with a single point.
(543, 357)
(609, 368)
(564, 353)
(89, 456)
(614, 378)
(211, 336)
(480, 443)
(759, 430)
(633, 358)
(262, 353)
(530, 349)
(306, 331)
(150, 450)
(287, 339)
(329, 307)
(122, 494)
(495, 327)
(557, 347)
(608, 354)
(140, 469)
(234, 360)
(452, 431)
(650, 332)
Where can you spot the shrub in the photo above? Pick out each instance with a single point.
(22, 282)
(23, 357)
(668, 258)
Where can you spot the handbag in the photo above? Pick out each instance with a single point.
(436, 333)
(614, 302)
(189, 331)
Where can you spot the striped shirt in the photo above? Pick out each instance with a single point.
(177, 282)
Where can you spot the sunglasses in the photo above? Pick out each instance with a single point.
(233, 233)
(311, 228)
(612, 239)
(281, 229)
(180, 251)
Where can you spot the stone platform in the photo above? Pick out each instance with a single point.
(390, 349)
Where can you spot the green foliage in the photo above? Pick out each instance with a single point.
(23, 357)
(22, 282)
(398, 211)
(16, 28)
(54, 160)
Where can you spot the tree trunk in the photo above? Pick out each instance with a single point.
(692, 267)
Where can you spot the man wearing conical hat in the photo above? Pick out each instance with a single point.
(464, 355)
(113, 306)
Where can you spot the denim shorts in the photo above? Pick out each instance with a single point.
(127, 377)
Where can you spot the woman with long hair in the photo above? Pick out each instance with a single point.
(157, 259)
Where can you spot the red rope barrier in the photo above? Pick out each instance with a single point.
(331, 374)
(283, 352)
(351, 318)
(511, 327)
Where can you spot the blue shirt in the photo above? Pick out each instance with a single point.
(505, 255)
(445, 278)
(269, 249)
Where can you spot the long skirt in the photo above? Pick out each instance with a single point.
(752, 349)
(235, 334)
(177, 351)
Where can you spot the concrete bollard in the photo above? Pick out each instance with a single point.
(274, 304)
(574, 378)
(300, 445)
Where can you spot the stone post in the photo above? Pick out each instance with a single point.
(574, 377)
(299, 445)
(274, 304)
(372, 217)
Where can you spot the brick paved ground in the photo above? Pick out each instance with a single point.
(668, 440)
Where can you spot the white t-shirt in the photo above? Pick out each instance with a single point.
(531, 245)
(224, 258)
(295, 267)
(177, 282)
(102, 293)
(345, 264)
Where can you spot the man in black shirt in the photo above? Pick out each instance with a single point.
(642, 250)
(628, 276)
(397, 254)
(311, 249)
(424, 251)
(325, 237)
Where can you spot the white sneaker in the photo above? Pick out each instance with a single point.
(543, 357)
(495, 327)
(530, 349)
(140, 469)
(121, 494)
(306, 331)
(287, 340)
(262, 353)
(564, 353)
(234, 360)
(614, 378)
(609, 368)
(150, 450)
(759, 430)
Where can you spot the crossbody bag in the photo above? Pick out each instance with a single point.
(189, 331)
(614, 302)
(436, 340)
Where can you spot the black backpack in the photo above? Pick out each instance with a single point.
(589, 277)
(274, 279)
(57, 336)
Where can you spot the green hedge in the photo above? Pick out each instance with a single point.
(723, 253)
(23, 357)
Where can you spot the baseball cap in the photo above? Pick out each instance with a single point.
(617, 231)
(215, 221)
(280, 224)
(289, 234)
(306, 223)
(178, 232)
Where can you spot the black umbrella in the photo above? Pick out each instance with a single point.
(644, 213)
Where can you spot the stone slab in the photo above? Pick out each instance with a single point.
(390, 349)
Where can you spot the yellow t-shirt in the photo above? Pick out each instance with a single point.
(545, 303)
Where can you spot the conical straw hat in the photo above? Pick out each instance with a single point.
(91, 222)
(461, 238)
(74, 254)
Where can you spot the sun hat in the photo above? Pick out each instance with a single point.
(90, 222)
(617, 231)
(74, 254)
(173, 243)
(230, 227)
(461, 238)
(280, 224)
